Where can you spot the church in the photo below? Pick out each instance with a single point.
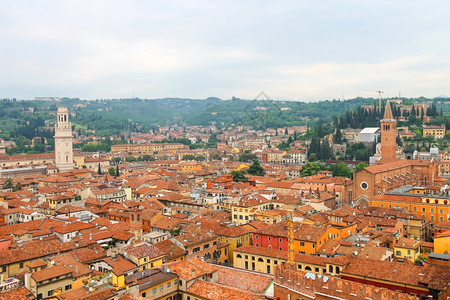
(389, 172)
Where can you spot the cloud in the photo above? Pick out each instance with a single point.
(305, 50)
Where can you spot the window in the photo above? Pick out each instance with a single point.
(398, 253)
(175, 282)
(168, 285)
(414, 208)
(161, 287)
(154, 291)
(4, 269)
(256, 236)
(68, 287)
(270, 238)
(21, 265)
(423, 208)
(302, 244)
(432, 210)
(280, 240)
(50, 293)
(441, 211)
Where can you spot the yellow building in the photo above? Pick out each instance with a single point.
(266, 260)
(437, 132)
(187, 167)
(151, 148)
(144, 255)
(442, 243)
(49, 281)
(234, 237)
(244, 211)
(407, 249)
(156, 284)
(275, 156)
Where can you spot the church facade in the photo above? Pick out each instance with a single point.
(390, 173)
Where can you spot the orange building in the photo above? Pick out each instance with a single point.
(432, 208)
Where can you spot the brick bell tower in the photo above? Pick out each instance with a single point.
(63, 141)
(388, 134)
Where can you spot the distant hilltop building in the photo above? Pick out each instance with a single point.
(63, 141)
(55, 99)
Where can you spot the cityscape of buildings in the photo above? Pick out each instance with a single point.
(197, 224)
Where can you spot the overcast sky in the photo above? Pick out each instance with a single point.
(299, 50)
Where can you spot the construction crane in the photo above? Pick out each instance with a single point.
(291, 249)
(379, 98)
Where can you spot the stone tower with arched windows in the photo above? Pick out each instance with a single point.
(388, 134)
(63, 141)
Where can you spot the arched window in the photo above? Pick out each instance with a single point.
(260, 260)
(238, 256)
(330, 269)
(307, 268)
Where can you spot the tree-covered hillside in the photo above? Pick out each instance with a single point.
(22, 120)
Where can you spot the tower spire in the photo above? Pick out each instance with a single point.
(388, 111)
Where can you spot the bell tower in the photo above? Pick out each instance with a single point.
(388, 134)
(63, 141)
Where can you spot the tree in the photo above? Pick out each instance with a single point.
(341, 169)
(130, 159)
(99, 170)
(116, 160)
(8, 184)
(256, 169)
(312, 168)
(111, 171)
(215, 156)
(239, 176)
(148, 157)
(199, 158)
(247, 157)
(188, 157)
(117, 171)
(338, 136)
(360, 166)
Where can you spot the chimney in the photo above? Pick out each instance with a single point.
(308, 237)
(403, 244)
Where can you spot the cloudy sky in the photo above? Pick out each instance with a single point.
(299, 50)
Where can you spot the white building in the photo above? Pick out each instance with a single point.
(369, 134)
